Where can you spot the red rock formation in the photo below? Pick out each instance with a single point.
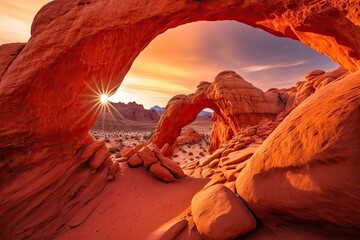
(188, 135)
(8, 53)
(235, 102)
(46, 88)
(248, 139)
(130, 114)
(307, 171)
(220, 215)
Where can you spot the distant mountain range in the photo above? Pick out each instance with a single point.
(126, 115)
(158, 109)
(132, 114)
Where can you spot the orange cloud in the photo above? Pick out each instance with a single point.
(16, 18)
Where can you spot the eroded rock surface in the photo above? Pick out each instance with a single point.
(219, 214)
(307, 171)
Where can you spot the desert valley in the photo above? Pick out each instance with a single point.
(225, 160)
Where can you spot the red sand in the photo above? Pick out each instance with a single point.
(134, 205)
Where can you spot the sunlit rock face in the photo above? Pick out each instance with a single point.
(306, 172)
(236, 103)
(46, 89)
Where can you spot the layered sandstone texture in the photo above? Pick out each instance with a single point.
(306, 172)
(285, 175)
(49, 165)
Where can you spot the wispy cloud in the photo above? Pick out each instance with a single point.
(257, 68)
(16, 18)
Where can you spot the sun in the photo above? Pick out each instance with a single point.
(104, 99)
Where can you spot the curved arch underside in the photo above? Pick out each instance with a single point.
(78, 45)
(46, 88)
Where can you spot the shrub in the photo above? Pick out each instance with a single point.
(114, 149)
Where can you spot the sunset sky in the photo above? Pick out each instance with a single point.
(176, 61)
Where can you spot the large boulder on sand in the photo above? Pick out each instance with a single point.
(219, 214)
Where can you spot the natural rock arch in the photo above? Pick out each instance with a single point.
(46, 106)
(87, 42)
(236, 103)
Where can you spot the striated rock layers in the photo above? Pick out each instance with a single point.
(235, 102)
(47, 89)
(130, 114)
(307, 172)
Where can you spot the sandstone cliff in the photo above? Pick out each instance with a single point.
(122, 115)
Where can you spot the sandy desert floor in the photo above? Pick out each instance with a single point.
(134, 205)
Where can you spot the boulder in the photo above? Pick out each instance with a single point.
(161, 172)
(135, 161)
(220, 215)
(147, 156)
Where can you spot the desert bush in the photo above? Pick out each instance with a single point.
(147, 136)
(114, 149)
(118, 155)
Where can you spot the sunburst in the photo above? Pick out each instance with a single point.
(99, 100)
(104, 99)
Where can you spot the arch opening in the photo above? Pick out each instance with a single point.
(258, 68)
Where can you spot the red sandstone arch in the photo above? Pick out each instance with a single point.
(236, 103)
(45, 97)
(74, 44)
